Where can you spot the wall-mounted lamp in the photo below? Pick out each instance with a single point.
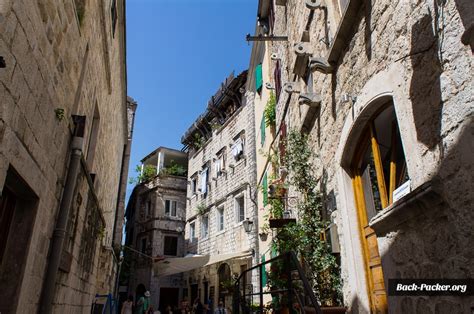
(179, 229)
(247, 223)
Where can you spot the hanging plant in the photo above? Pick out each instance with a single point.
(201, 209)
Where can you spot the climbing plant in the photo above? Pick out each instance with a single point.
(143, 175)
(270, 111)
(305, 236)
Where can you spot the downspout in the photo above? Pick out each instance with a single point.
(60, 230)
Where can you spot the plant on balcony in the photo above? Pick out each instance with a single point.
(174, 170)
(198, 141)
(143, 175)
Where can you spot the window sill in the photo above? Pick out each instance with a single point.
(220, 232)
(422, 201)
(342, 37)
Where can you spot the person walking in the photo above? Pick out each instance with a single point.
(143, 304)
(127, 306)
(198, 307)
(220, 309)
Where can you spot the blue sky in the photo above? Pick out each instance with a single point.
(178, 53)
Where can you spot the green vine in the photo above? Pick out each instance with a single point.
(270, 111)
(304, 237)
(201, 209)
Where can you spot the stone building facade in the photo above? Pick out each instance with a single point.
(63, 134)
(155, 226)
(221, 191)
(384, 91)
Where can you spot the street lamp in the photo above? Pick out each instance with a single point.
(247, 225)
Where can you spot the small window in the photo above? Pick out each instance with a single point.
(258, 78)
(143, 245)
(238, 147)
(171, 208)
(205, 226)
(263, 126)
(148, 208)
(171, 246)
(113, 15)
(220, 218)
(194, 184)
(240, 208)
(219, 164)
(265, 189)
(204, 180)
(192, 231)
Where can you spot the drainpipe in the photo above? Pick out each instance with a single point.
(60, 230)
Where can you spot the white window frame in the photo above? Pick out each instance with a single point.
(205, 231)
(192, 231)
(172, 207)
(238, 209)
(220, 218)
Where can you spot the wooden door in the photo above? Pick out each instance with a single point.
(374, 274)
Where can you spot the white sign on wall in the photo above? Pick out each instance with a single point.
(401, 191)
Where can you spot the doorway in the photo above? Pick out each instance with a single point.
(168, 297)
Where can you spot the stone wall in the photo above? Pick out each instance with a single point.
(154, 226)
(58, 66)
(237, 180)
(413, 52)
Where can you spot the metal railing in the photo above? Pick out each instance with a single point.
(292, 288)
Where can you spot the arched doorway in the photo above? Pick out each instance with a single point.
(224, 275)
(377, 169)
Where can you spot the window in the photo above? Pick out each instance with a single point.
(265, 189)
(263, 125)
(204, 180)
(220, 218)
(171, 246)
(113, 15)
(170, 208)
(148, 208)
(93, 138)
(238, 147)
(219, 165)
(192, 231)
(205, 226)
(258, 78)
(143, 245)
(240, 208)
(7, 207)
(194, 184)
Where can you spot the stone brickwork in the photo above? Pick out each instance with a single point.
(146, 219)
(61, 62)
(236, 181)
(413, 52)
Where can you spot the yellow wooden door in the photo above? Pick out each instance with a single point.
(374, 274)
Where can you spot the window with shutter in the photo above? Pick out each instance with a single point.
(258, 78)
(262, 130)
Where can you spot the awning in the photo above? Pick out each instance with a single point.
(176, 265)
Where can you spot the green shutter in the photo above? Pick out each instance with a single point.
(264, 273)
(263, 125)
(265, 190)
(258, 77)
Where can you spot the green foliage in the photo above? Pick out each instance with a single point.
(270, 111)
(59, 112)
(199, 141)
(201, 209)
(174, 170)
(147, 174)
(304, 237)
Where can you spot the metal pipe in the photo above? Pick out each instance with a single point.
(60, 230)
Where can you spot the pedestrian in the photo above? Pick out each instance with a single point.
(127, 306)
(143, 304)
(197, 307)
(220, 308)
